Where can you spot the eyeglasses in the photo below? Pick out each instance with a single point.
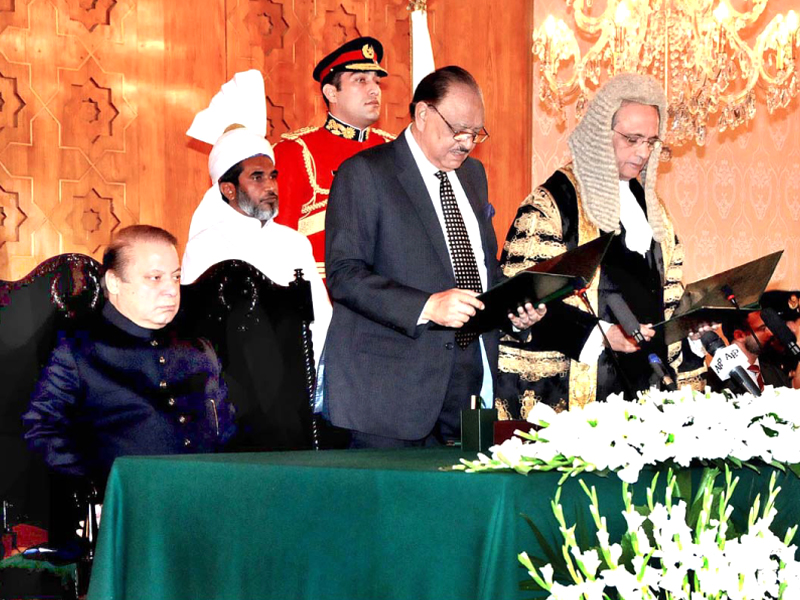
(464, 135)
(636, 141)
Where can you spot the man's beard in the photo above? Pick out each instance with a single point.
(253, 209)
(752, 346)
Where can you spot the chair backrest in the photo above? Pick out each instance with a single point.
(260, 331)
(55, 296)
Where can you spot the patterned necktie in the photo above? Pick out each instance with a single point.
(464, 265)
(756, 370)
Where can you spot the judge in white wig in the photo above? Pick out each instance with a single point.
(235, 218)
(608, 187)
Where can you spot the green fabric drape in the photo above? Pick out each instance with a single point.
(339, 525)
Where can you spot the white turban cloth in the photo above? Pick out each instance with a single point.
(235, 122)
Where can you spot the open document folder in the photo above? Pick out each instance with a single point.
(710, 300)
(547, 281)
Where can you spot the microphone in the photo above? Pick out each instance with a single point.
(616, 303)
(780, 330)
(729, 362)
(730, 296)
(661, 371)
(614, 358)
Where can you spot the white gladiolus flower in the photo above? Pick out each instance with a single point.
(565, 592)
(628, 586)
(589, 559)
(686, 562)
(602, 537)
(547, 573)
(682, 427)
(698, 560)
(633, 519)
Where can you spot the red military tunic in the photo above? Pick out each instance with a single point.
(307, 160)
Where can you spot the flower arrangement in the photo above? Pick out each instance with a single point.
(660, 427)
(675, 551)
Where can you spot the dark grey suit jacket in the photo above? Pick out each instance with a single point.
(385, 254)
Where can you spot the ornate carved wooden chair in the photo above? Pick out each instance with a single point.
(261, 333)
(55, 296)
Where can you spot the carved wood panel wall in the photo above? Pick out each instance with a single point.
(91, 103)
(96, 97)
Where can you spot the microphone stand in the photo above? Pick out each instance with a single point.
(581, 293)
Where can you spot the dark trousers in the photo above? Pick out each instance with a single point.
(465, 381)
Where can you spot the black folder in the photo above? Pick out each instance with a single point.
(707, 300)
(542, 283)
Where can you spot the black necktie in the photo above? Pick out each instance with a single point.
(464, 265)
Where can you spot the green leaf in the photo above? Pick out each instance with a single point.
(751, 466)
(778, 465)
(552, 554)
(683, 480)
(582, 535)
(627, 550)
(769, 432)
(707, 479)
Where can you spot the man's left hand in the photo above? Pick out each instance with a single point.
(700, 329)
(527, 315)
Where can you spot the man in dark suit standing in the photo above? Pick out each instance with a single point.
(410, 245)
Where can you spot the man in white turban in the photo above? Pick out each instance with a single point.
(235, 219)
(608, 187)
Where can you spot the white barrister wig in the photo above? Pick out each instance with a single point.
(592, 150)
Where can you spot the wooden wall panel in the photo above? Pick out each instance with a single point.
(96, 98)
(95, 101)
(493, 42)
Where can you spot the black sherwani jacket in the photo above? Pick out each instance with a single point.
(115, 389)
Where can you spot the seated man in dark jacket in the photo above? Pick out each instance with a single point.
(126, 383)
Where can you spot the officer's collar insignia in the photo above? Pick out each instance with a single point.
(348, 132)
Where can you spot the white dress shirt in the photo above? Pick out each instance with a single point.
(432, 183)
(638, 238)
(638, 233)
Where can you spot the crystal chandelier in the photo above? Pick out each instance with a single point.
(691, 46)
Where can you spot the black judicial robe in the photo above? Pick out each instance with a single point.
(549, 221)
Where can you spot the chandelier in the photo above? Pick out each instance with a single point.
(694, 48)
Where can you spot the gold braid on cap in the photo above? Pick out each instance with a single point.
(233, 126)
(592, 150)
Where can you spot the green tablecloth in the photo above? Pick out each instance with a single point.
(336, 525)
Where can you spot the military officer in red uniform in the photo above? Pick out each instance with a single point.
(307, 159)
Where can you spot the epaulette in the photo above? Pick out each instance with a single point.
(293, 135)
(384, 134)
